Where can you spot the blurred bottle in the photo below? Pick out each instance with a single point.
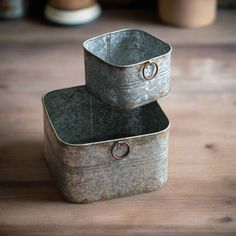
(72, 12)
(11, 9)
(187, 13)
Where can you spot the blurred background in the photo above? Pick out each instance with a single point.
(60, 10)
(41, 50)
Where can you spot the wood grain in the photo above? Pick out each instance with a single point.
(200, 197)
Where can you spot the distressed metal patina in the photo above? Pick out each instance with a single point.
(127, 68)
(96, 151)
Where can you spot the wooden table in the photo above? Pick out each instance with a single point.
(200, 197)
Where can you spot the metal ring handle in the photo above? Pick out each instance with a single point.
(117, 145)
(154, 74)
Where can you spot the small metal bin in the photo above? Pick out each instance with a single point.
(127, 68)
(98, 152)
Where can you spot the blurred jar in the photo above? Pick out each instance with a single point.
(11, 9)
(187, 13)
(72, 12)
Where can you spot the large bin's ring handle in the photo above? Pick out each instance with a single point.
(118, 145)
(155, 71)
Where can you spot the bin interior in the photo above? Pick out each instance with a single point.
(126, 47)
(79, 118)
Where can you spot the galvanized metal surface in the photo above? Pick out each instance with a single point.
(83, 135)
(127, 68)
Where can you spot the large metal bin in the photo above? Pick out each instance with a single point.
(127, 68)
(98, 152)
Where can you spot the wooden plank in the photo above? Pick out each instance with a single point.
(184, 206)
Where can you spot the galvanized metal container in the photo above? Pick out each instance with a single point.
(98, 152)
(127, 68)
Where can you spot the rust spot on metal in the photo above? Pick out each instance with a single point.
(142, 141)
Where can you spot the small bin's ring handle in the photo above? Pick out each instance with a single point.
(118, 145)
(154, 72)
